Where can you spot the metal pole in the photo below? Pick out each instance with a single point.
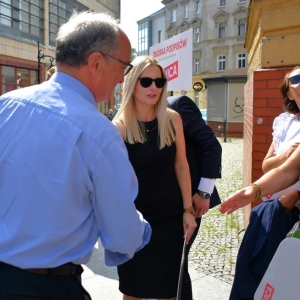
(224, 130)
(42, 56)
(39, 63)
(226, 110)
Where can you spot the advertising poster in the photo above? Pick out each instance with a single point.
(176, 56)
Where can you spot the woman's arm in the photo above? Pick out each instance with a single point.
(272, 161)
(183, 175)
(273, 181)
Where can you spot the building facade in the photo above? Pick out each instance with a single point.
(151, 31)
(219, 28)
(28, 30)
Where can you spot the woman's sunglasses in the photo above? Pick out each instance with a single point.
(147, 81)
(295, 79)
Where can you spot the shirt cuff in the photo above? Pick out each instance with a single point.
(207, 185)
(113, 259)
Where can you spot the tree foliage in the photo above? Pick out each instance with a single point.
(133, 54)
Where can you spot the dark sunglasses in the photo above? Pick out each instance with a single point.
(295, 79)
(147, 81)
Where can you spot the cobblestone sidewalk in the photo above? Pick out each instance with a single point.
(215, 248)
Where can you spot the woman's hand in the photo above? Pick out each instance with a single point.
(291, 150)
(190, 224)
(240, 199)
(289, 199)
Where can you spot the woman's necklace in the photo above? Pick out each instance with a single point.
(149, 130)
(151, 125)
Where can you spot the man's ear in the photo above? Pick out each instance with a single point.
(95, 61)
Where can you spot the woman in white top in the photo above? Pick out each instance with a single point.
(286, 138)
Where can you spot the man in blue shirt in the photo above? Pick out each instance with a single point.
(65, 177)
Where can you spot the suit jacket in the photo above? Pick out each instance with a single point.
(203, 150)
(268, 226)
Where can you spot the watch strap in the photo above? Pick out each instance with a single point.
(204, 195)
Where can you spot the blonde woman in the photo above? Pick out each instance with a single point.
(153, 135)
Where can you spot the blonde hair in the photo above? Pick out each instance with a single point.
(127, 113)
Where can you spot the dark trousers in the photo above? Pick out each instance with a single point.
(18, 284)
(186, 292)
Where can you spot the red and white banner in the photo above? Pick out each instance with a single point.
(176, 57)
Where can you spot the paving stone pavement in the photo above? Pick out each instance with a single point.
(215, 249)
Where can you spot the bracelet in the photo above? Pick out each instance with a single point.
(189, 210)
(257, 191)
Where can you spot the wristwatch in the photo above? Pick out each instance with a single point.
(204, 195)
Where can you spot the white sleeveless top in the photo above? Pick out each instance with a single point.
(286, 131)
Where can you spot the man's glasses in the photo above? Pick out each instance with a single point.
(147, 81)
(129, 66)
(295, 79)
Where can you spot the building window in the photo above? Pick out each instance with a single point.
(58, 15)
(196, 65)
(222, 33)
(197, 7)
(221, 62)
(159, 37)
(222, 3)
(13, 78)
(173, 16)
(186, 12)
(143, 39)
(26, 16)
(197, 35)
(6, 13)
(242, 60)
(242, 27)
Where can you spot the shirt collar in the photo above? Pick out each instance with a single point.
(74, 84)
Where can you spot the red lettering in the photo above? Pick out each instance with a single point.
(172, 71)
(268, 292)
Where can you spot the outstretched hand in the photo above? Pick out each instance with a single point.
(240, 199)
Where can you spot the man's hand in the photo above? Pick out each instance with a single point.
(201, 206)
(240, 199)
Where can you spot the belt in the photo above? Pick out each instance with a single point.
(63, 270)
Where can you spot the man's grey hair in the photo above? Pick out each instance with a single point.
(83, 34)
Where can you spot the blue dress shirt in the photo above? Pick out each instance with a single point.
(65, 179)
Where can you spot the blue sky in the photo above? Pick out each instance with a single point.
(134, 10)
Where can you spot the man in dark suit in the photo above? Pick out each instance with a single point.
(203, 152)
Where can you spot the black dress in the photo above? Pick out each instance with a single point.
(153, 271)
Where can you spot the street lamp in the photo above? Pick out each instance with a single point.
(40, 57)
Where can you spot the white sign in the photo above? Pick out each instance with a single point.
(281, 280)
(176, 57)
